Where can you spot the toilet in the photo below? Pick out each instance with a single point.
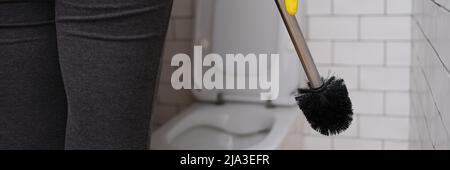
(237, 119)
(231, 126)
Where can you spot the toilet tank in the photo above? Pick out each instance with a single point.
(243, 27)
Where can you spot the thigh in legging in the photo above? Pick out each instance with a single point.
(110, 54)
(32, 98)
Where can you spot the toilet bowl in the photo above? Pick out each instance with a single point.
(232, 126)
(244, 121)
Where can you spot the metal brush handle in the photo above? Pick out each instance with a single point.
(300, 45)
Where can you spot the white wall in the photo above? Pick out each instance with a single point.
(168, 101)
(367, 42)
(430, 82)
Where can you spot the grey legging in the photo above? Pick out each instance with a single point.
(79, 74)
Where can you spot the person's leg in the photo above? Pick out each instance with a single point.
(32, 99)
(110, 53)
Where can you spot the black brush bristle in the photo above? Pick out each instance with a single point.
(328, 109)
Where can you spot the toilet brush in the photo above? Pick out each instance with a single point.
(326, 103)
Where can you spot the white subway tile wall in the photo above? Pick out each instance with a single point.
(398, 53)
(399, 7)
(359, 53)
(316, 143)
(358, 7)
(318, 7)
(385, 28)
(430, 76)
(368, 43)
(357, 144)
(344, 28)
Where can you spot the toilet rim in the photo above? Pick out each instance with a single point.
(276, 134)
(278, 128)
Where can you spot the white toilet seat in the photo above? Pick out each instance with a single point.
(226, 127)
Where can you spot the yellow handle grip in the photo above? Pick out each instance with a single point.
(291, 6)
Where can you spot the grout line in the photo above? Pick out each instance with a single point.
(367, 66)
(369, 138)
(385, 53)
(362, 15)
(358, 85)
(384, 104)
(434, 49)
(359, 28)
(430, 88)
(332, 7)
(434, 102)
(440, 5)
(423, 117)
(362, 40)
(378, 115)
(333, 53)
